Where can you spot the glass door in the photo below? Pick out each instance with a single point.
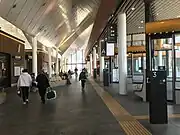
(177, 61)
(162, 55)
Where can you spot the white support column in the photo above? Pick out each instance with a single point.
(139, 63)
(101, 62)
(94, 58)
(101, 68)
(57, 62)
(34, 55)
(116, 61)
(61, 64)
(160, 53)
(76, 57)
(65, 65)
(88, 67)
(91, 63)
(50, 62)
(122, 53)
(160, 58)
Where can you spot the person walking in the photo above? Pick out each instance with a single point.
(76, 73)
(33, 87)
(82, 78)
(42, 84)
(24, 84)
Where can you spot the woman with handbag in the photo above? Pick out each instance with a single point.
(42, 84)
(24, 84)
(82, 78)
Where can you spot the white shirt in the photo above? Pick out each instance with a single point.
(24, 80)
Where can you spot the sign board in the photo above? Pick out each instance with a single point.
(110, 49)
(103, 48)
(17, 71)
(112, 33)
(161, 68)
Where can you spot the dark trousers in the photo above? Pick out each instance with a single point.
(68, 82)
(42, 93)
(25, 93)
(83, 83)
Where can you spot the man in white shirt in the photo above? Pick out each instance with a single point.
(24, 83)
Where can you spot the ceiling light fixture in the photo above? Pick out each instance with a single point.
(133, 9)
(142, 21)
(178, 16)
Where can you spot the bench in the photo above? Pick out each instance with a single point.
(139, 86)
(137, 82)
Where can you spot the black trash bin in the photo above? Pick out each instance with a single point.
(95, 73)
(106, 77)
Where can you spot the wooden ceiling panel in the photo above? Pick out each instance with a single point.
(24, 12)
(52, 20)
(5, 6)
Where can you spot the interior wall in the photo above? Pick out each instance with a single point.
(15, 48)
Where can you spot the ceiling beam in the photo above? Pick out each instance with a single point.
(83, 26)
(107, 7)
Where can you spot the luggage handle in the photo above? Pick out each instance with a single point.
(49, 89)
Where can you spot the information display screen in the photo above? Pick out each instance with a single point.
(110, 49)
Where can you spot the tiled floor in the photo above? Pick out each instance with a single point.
(129, 124)
(72, 113)
(94, 112)
(136, 107)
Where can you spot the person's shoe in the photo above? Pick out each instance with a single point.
(24, 103)
(27, 100)
(43, 102)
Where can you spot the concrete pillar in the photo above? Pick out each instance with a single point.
(116, 61)
(160, 53)
(91, 63)
(122, 53)
(160, 58)
(101, 62)
(76, 58)
(139, 63)
(65, 63)
(50, 62)
(101, 67)
(57, 62)
(88, 67)
(34, 55)
(94, 58)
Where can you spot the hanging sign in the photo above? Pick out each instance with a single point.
(110, 49)
(103, 48)
(112, 33)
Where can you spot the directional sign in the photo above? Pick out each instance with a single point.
(103, 52)
(103, 48)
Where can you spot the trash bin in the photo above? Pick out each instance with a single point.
(106, 77)
(95, 73)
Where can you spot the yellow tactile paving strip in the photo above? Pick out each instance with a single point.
(128, 123)
(146, 117)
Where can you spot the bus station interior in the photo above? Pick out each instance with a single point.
(130, 48)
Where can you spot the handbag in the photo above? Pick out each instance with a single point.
(19, 92)
(51, 94)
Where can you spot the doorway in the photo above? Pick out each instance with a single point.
(5, 70)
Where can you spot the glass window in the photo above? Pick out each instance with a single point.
(76, 60)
